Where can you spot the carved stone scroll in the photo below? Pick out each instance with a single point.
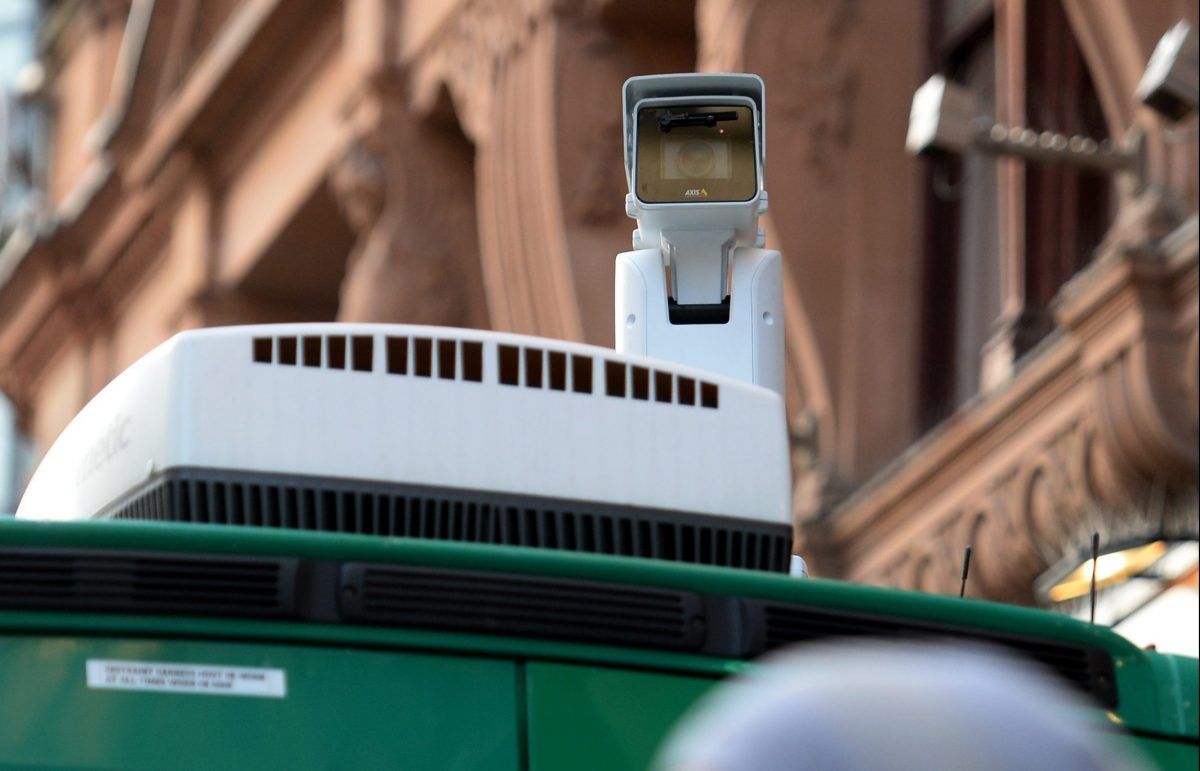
(406, 188)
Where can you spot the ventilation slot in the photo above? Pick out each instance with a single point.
(558, 370)
(510, 365)
(335, 352)
(640, 382)
(423, 357)
(362, 350)
(581, 374)
(312, 351)
(1087, 669)
(287, 350)
(447, 365)
(472, 357)
(538, 368)
(341, 506)
(637, 385)
(88, 581)
(614, 378)
(662, 387)
(533, 367)
(447, 359)
(501, 604)
(685, 387)
(397, 355)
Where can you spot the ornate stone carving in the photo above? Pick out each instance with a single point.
(467, 55)
(1098, 435)
(406, 189)
(357, 179)
(1132, 311)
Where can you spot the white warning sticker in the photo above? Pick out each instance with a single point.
(208, 679)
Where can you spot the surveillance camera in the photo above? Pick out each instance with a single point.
(694, 146)
(698, 288)
(1170, 83)
(944, 118)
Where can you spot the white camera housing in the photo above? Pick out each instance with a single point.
(698, 287)
(944, 118)
(1170, 83)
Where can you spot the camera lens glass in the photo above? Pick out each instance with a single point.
(694, 158)
(696, 153)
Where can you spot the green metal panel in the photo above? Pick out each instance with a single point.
(344, 708)
(1170, 755)
(1179, 688)
(1156, 693)
(599, 718)
(302, 633)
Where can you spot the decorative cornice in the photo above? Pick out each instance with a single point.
(202, 86)
(1135, 315)
(1095, 421)
(129, 59)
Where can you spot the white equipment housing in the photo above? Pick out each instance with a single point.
(432, 432)
(665, 448)
(692, 257)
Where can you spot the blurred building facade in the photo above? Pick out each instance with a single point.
(980, 351)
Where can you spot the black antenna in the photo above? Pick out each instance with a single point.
(1095, 559)
(962, 589)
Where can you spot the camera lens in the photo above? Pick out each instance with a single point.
(696, 159)
(695, 154)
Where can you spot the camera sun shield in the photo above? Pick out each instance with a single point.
(691, 153)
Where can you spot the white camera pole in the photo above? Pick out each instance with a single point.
(698, 288)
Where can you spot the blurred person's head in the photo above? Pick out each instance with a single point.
(892, 706)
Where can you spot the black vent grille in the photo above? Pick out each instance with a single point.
(447, 599)
(501, 604)
(141, 583)
(341, 506)
(1086, 669)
